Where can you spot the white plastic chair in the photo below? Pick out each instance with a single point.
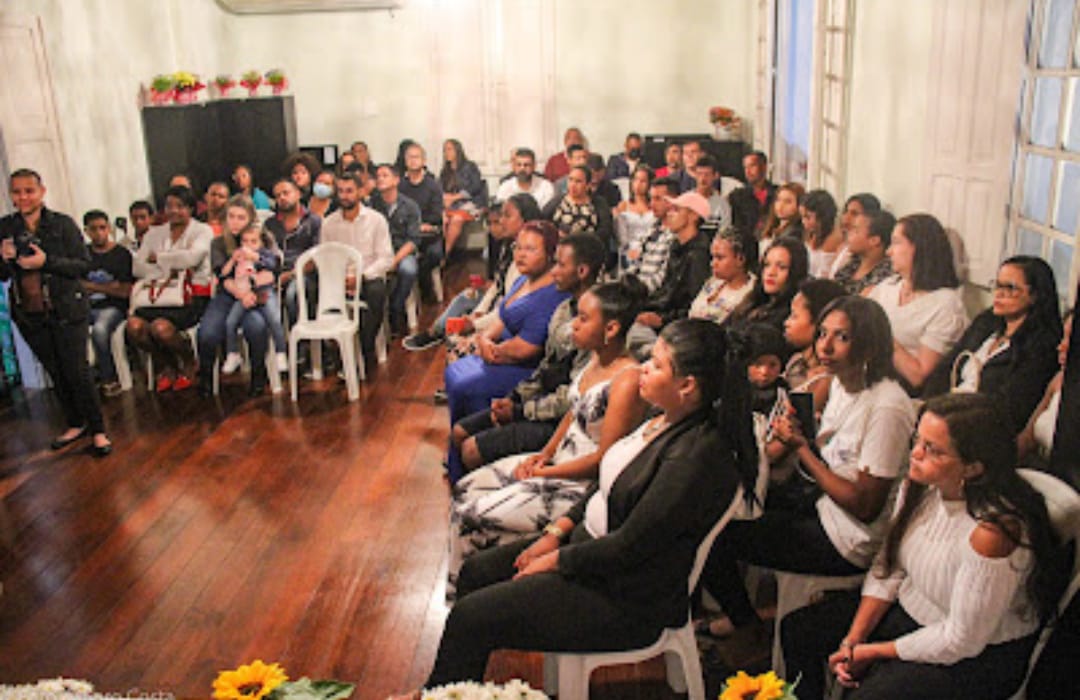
(271, 366)
(118, 347)
(1063, 504)
(567, 674)
(336, 317)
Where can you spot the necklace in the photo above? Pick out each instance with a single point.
(653, 428)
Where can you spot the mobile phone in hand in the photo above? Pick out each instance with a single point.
(803, 403)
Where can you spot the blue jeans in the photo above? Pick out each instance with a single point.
(212, 332)
(271, 313)
(404, 280)
(103, 322)
(311, 290)
(460, 305)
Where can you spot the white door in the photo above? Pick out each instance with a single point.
(31, 134)
(976, 57)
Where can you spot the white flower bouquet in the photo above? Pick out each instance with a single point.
(514, 690)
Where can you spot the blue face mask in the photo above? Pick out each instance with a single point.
(322, 190)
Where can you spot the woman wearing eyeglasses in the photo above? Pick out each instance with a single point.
(1010, 349)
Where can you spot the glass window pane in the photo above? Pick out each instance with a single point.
(1036, 194)
(1068, 199)
(1072, 139)
(1061, 263)
(1045, 112)
(1057, 29)
(1029, 243)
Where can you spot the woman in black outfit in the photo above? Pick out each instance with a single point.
(43, 251)
(618, 588)
(1010, 350)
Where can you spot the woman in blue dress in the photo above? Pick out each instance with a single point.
(510, 348)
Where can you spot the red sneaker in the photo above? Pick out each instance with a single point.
(164, 383)
(181, 383)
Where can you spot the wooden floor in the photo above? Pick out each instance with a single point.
(221, 531)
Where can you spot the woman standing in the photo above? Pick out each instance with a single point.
(612, 573)
(45, 257)
(464, 191)
(954, 602)
(177, 252)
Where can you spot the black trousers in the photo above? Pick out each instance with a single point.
(544, 612)
(60, 346)
(810, 634)
(778, 540)
(373, 292)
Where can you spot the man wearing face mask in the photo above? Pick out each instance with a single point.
(623, 164)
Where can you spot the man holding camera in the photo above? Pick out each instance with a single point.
(44, 256)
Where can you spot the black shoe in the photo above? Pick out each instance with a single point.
(61, 443)
(100, 451)
(205, 387)
(258, 384)
(440, 395)
(420, 341)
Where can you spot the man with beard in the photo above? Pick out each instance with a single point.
(295, 230)
(525, 180)
(366, 231)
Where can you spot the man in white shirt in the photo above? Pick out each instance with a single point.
(525, 180)
(366, 231)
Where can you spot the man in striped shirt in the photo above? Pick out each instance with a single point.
(651, 264)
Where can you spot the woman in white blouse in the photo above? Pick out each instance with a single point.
(953, 604)
(922, 302)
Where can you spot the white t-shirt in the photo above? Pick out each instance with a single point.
(539, 188)
(935, 320)
(866, 432)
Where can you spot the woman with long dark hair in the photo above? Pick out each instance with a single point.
(783, 268)
(634, 217)
(817, 212)
(783, 218)
(922, 302)
(966, 575)
(612, 573)
(464, 191)
(1010, 349)
(850, 468)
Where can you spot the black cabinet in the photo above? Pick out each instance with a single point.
(728, 154)
(207, 140)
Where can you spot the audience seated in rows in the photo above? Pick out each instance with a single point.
(108, 286)
(922, 301)
(525, 419)
(634, 217)
(511, 347)
(465, 193)
(404, 221)
(174, 254)
(519, 495)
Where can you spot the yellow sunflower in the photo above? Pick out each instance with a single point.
(740, 687)
(772, 686)
(250, 682)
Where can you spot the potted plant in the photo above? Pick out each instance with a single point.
(251, 79)
(276, 79)
(727, 124)
(161, 89)
(187, 87)
(224, 83)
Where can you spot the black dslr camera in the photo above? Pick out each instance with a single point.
(23, 240)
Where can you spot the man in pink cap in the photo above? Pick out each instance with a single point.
(687, 270)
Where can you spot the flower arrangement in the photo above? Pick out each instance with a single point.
(259, 680)
(277, 80)
(251, 79)
(51, 689)
(767, 686)
(187, 86)
(162, 86)
(728, 125)
(514, 690)
(224, 83)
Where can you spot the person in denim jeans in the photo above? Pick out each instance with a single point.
(108, 286)
(403, 217)
(294, 229)
(249, 277)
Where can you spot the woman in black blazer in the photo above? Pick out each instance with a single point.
(622, 576)
(1010, 349)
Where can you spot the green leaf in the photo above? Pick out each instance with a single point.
(307, 689)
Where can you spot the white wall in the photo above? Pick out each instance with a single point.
(889, 101)
(99, 51)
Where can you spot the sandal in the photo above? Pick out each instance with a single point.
(164, 383)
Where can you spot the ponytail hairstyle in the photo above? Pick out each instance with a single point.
(716, 357)
(620, 300)
(979, 432)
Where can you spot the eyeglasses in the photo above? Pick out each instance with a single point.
(931, 450)
(1007, 288)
